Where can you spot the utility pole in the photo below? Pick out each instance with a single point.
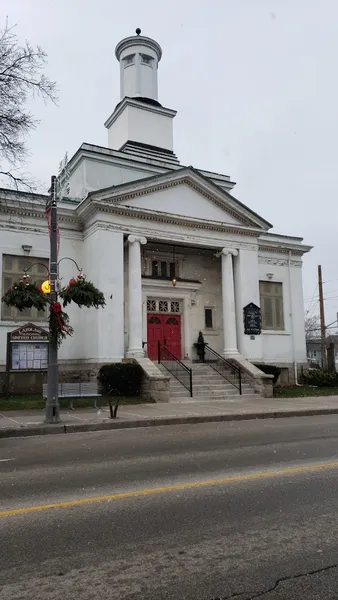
(52, 404)
(322, 317)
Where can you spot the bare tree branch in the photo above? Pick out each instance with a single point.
(21, 77)
(312, 328)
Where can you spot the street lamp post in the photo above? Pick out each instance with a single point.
(52, 408)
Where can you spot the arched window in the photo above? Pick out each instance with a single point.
(154, 321)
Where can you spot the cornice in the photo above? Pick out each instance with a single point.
(160, 110)
(38, 212)
(163, 236)
(169, 218)
(103, 226)
(8, 226)
(297, 250)
(138, 40)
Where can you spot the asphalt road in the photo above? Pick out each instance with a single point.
(231, 510)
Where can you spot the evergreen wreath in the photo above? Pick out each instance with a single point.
(83, 293)
(23, 295)
(59, 326)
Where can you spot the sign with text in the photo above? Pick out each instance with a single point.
(27, 348)
(252, 319)
(29, 333)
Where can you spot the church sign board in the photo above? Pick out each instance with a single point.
(27, 349)
(252, 319)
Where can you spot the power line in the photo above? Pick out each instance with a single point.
(318, 328)
(325, 298)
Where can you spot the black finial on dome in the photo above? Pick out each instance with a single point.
(138, 31)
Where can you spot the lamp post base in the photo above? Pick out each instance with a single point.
(52, 413)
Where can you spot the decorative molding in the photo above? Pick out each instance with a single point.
(116, 158)
(279, 262)
(38, 212)
(126, 102)
(173, 220)
(165, 237)
(227, 252)
(140, 239)
(297, 250)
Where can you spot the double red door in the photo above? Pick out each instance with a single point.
(165, 329)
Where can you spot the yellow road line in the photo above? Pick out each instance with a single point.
(171, 488)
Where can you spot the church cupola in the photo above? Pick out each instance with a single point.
(138, 57)
(139, 120)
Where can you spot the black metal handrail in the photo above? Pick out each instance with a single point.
(224, 367)
(175, 367)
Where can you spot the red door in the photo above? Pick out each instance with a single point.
(165, 329)
(154, 335)
(172, 334)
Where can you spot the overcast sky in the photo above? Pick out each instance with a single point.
(255, 86)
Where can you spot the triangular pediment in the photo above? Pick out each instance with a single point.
(184, 193)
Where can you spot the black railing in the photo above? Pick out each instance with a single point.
(175, 367)
(224, 367)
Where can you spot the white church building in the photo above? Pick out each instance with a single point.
(174, 252)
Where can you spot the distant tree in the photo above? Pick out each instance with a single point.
(21, 77)
(312, 328)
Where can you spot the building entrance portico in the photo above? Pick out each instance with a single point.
(189, 302)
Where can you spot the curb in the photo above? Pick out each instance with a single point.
(157, 422)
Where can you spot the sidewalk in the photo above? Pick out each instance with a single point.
(26, 423)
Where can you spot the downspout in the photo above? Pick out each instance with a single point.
(292, 323)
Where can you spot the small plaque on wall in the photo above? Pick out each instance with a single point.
(252, 319)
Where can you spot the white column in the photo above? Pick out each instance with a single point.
(228, 302)
(186, 325)
(135, 296)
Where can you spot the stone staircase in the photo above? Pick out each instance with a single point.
(207, 385)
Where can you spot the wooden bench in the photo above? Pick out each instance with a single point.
(80, 389)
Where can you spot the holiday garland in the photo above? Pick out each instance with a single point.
(83, 293)
(23, 295)
(59, 326)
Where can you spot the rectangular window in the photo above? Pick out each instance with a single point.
(13, 268)
(154, 268)
(208, 318)
(163, 269)
(271, 298)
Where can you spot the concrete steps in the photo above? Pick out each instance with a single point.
(207, 384)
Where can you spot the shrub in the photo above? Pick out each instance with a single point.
(120, 379)
(320, 378)
(270, 370)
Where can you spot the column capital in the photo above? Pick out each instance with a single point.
(226, 252)
(132, 239)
